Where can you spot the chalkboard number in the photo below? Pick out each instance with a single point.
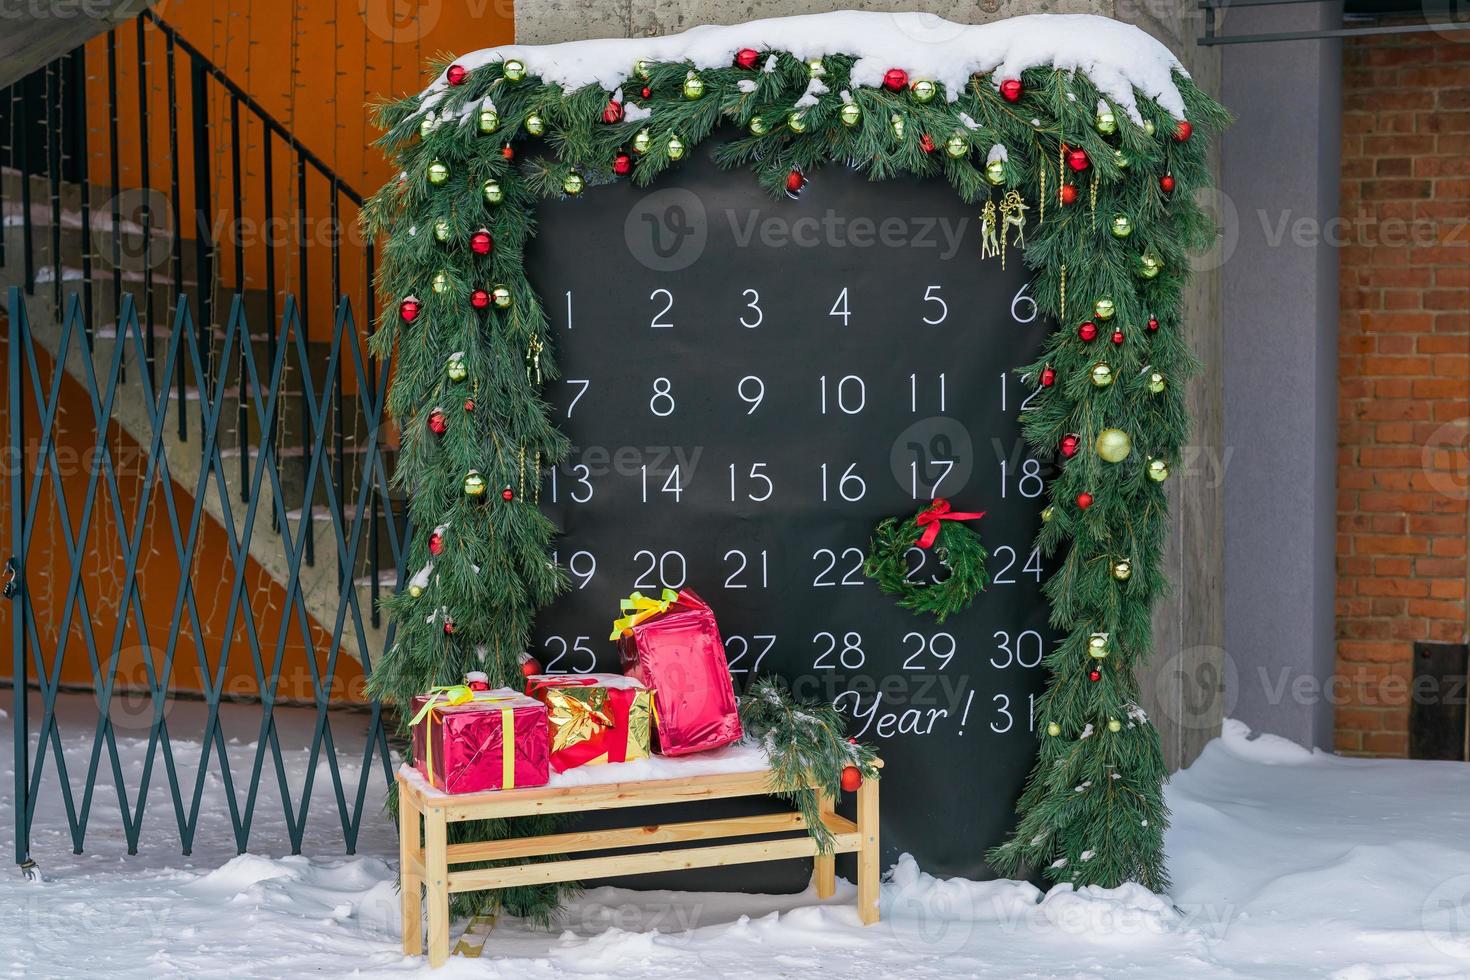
(585, 383)
(753, 300)
(839, 307)
(738, 647)
(1005, 388)
(1025, 650)
(931, 295)
(1028, 483)
(662, 402)
(657, 322)
(848, 651)
(824, 577)
(663, 566)
(581, 491)
(946, 466)
(565, 646)
(752, 395)
(762, 571)
(940, 646)
(914, 394)
(1004, 710)
(1021, 303)
(850, 486)
(1032, 566)
(584, 569)
(851, 394)
(760, 485)
(672, 484)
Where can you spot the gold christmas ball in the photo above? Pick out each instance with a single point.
(1121, 159)
(1048, 512)
(1155, 383)
(1150, 265)
(1097, 646)
(489, 120)
(438, 172)
(925, 90)
(1107, 123)
(1148, 127)
(995, 172)
(796, 122)
(1053, 729)
(493, 193)
(815, 68)
(515, 69)
(441, 230)
(693, 86)
(1102, 375)
(500, 296)
(640, 68)
(758, 126)
(441, 282)
(676, 148)
(457, 369)
(1122, 569)
(573, 184)
(426, 126)
(956, 146)
(642, 140)
(1104, 309)
(896, 121)
(535, 125)
(415, 591)
(1114, 725)
(1113, 445)
(1122, 226)
(1158, 470)
(474, 484)
(850, 114)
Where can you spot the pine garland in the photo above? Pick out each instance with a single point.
(1093, 810)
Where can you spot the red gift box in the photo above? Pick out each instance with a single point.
(673, 645)
(469, 741)
(594, 718)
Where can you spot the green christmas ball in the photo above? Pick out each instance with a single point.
(440, 282)
(956, 146)
(441, 230)
(995, 172)
(693, 86)
(573, 184)
(1114, 725)
(474, 484)
(415, 591)
(796, 122)
(1102, 375)
(896, 121)
(640, 68)
(457, 369)
(438, 172)
(1121, 159)
(1148, 127)
(642, 140)
(676, 148)
(1113, 445)
(493, 192)
(501, 297)
(815, 68)
(535, 125)
(1122, 569)
(1053, 729)
(758, 126)
(426, 126)
(1150, 265)
(515, 70)
(489, 120)
(1158, 470)
(1155, 383)
(1122, 226)
(1104, 308)
(1048, 512)
(1107, 123)
(1097, 646)
(850, 114)
(925, 90)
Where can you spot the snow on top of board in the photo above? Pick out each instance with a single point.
(1118, 58)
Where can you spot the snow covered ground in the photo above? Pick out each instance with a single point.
(1287, 864)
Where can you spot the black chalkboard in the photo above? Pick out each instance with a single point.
(750, 385)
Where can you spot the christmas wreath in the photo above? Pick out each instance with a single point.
(956, 546)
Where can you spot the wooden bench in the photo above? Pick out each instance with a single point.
(429, 874)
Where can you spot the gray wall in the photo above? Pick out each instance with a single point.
(1182, 690)
(1280, 172)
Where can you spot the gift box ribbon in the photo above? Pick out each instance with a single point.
(452, 694)
(939, 511)
(638, 607)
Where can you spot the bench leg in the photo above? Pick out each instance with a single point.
(824, 866)
(436, 867)
(868, 869)
(410, 884)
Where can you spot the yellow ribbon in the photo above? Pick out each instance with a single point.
(639, 607)
(459, 694)
(444, 694)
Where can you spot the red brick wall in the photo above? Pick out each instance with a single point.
(1404, 395)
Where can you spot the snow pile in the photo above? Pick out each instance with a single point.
(1118, 58)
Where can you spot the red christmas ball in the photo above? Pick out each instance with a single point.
(469, 404)
(1166, 183)
(1070, 442)
(449, 627)
(1183, 130)
(1117, 336)
(1084, 500)
(456, 74)
(612, 112)
(507, 494)
(438, 422)
(647, 91)
(1011, 90)
(622, 164)
(479, 299)
(1077, 159)
(409, 309)
(477, 683)
(1087, 330)
(530, 666)
(1153, 325)
(747, 58)
(436, 543)
(926, 143)
(795, 181)
(1094, 675)
(508, 152)
(1069, 194)
(895, 79)
(481, 242)
(1048, 377)
(852, 778)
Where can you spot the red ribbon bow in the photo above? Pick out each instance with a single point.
(939, 511)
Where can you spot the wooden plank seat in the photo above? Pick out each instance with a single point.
(427, 860)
